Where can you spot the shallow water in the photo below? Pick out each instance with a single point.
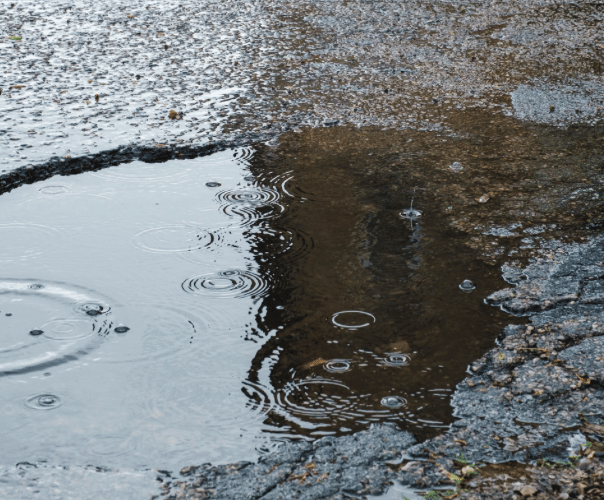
(157, 315)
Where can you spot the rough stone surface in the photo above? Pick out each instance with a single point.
(538, 396)
(27, 481)
(349, 466)
(80, 77)
(535, 399)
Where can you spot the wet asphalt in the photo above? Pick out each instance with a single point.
(79, 78)
(90, 84)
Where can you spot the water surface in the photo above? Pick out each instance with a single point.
(157, 315)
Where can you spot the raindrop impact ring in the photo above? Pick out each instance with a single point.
(370, 319)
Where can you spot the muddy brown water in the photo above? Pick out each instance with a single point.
(156, 315)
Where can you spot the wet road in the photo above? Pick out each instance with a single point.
(82, 77)
(79, 78)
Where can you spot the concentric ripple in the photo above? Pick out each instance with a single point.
(318, 399)
(260, 401)
(143, 173)
(288, 244)
(393, 402)
(174, 239)
(244, 154)
(67, 329)
(251, 196)
(395, 359)
(286, 183)
(250, 204)
(152, 332)
(70, 211)
(43, 402)
(111, 445)
(27, 241)
(53, 190)
(236, 283)
(47, 324)
(337, 365)
(352, 320)
(234, 406)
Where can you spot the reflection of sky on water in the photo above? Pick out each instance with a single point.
(169, 390)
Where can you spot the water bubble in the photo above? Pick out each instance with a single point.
(337, 365)
(249, 178)
(410, 213)
(36, 286)
(352, 320)
(92, 308)
(393, 402)
(467, 286)
(396, 359)
(213, 184)
(456, 166)
(121, 329)
(35, 333)
(43, 402)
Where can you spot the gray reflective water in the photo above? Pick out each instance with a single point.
(164, 319)
(159, 315)
(124, 298)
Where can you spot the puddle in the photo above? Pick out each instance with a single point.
(203, 310)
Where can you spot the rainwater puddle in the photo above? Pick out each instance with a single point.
(158, 315)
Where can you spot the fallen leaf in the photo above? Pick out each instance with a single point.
(274, 466)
